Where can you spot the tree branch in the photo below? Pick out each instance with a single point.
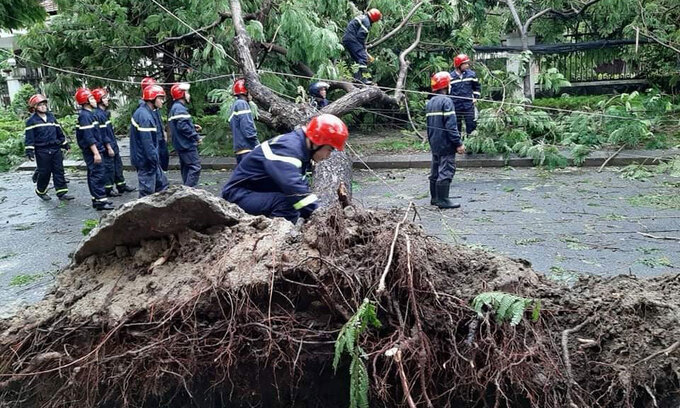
(301, 67)
(399, 27)
(403, 66)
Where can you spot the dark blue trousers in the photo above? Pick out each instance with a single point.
(267, 203)
(443, 167)
(190, 167)
(163, 154)
(50, 163)
(96, 176)
(110, 172)
(151, 180)
(357, 51)
(118, 177)
(467, 114)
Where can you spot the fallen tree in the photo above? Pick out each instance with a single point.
(245, 311)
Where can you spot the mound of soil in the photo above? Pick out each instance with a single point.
(244, 311)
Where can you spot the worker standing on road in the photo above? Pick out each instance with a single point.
(91, 142)
(465, 90)
(44, 140)
(270, 180)
(145, 135)
(184, 134)
(113, 165)
(163, 153)
(442, 133)
(354, 41)
(241, 122)
(318, 91)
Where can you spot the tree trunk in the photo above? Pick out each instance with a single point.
(527, 83)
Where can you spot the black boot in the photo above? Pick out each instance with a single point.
(66, 197)
(433, 192)
(44, 197)
(102, 205)
(111, 193)
(124, 188)
(443, 200)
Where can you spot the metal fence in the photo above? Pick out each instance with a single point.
(604, 64)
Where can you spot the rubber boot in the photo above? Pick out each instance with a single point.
(364, 78)
(44, 197)
(66, 197)
(124, 188)
(433, 192)
(111, 193)
(443, 200)
(102, 205)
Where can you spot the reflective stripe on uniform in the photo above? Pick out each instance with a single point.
(243, 151)
(362, 66)
(269, 155)
(42, 125)
(305, 201)
(455, 81)
(141, 129)
(90, 126)
(363, 27)
(30, 147)
(182, 116)
(477, 93)
(61, 190)
(441, 113)
(238, 113)
(41, 192)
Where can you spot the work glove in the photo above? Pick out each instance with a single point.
(198, 127)
(30, 153)
(371, 59)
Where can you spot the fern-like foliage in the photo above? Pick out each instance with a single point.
(506, 306)
(347, 343)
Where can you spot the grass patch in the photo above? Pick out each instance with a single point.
(661, 201)
(89, 225)
(636, 172)
(655, 262)
(23, 227)
(574, 244)
(25, 279)
(402, 144)
(508, 189)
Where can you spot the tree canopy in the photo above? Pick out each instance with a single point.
(16, 14)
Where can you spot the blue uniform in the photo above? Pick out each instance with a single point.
(46, 138)
(464, 88)
(354, 39)
(270, 180)
(88, 134)
(185, 140)
(163, 153)
(114, 170)
(320, 103)
(243, 129)
(108, 137)
(442, 133)
(145, 133)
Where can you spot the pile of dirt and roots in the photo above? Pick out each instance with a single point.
(180, 299)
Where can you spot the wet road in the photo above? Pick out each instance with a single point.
(565, 222)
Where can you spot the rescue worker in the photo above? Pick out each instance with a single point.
(184, 134)
(444, 139)
(241, 122)
(270, 180)
(318, 91)
(354, 41)
(145, 136)
(92, 144)
(113, 165)
(44, 140)
(465, 90)
(163, 152)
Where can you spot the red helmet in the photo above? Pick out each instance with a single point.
(152, 92)
(239, 87)
(327, 129)
(179, 90)
(98, 94)
(440, 80)
(147, 82)
(83, 96)
(374, 14)
(35, 100)
(460, 59)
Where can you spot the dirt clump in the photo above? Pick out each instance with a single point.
(246, 312)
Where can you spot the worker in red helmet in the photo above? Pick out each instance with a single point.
(163, 152)
(445, 142)
(241, 122)
(271, 180)
(354, 41)
(112, 164)
(44, 140)
(184, 135)
(92, 143)
(465, 90)
(145, 135)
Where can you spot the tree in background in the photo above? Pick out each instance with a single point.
(16, 14)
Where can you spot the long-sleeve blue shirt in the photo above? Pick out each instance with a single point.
(43, 133)
(182, 129)
(278, 165)
(466, 87)
(357, 29)
(243, 126)
(442, 132)
(105, 127)
(144, 136)
(88, 132)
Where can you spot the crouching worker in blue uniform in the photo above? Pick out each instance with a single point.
(91, 142)
(270, 180)
(318, 91)
(44, 141)
(241, 122)
(442, 133)
(145, 134)
(184, 134)
(465, 90)
(354, 41)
